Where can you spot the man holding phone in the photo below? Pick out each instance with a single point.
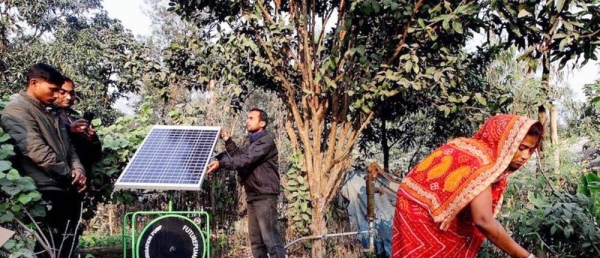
(80, 129)
(84, 139)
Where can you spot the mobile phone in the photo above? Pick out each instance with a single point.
(89, 116)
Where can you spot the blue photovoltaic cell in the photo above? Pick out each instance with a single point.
(171, 157)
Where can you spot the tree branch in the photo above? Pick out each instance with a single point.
(286, 83)
(39, 234)
(332, 130)
(330, 194)
(37, 237)
(405, 33)
(277, 5)
(322, 37)
(264, 10)
(349, 145)
(335, 177)
(591, 34)
(306, 49)
(414, 155)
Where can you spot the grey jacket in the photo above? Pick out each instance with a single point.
(257, 165)
(44, 151)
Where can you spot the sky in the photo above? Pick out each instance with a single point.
(131, 14)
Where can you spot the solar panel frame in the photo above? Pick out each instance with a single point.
(120, 184)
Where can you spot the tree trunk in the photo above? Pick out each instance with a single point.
(317, 228)
(554, 137)
(547, 88)
(384, 145)
(111, 212)
(542, 116)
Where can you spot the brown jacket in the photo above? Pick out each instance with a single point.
(44, 151)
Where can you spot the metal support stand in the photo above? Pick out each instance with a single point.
(371, 177)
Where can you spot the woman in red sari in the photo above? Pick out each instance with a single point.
(447, 203)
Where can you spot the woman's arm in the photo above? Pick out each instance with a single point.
(483, 217)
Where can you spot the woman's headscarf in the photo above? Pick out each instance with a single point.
(454, 174)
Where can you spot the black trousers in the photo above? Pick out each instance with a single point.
(262, 227)
(60, 223)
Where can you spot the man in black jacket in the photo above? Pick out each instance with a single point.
(85, 140)
(82, 134)
(258, 168)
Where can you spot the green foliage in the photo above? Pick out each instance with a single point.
(548, 32)
(76, 36)
(421, 120)
(590, 187)
(100, 241)
(119, 142)
(559, 223)
(569, 29)
(564, 223)
(298, 197)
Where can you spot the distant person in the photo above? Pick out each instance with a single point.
(447, 203)
(80, 130)
(258, 168)
(45, 153)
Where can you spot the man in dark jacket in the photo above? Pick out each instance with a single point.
(44, 152)
(258, 168)
(82, 134)
(85, 140)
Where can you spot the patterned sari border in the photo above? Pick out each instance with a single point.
(463, 144)
(415, 187)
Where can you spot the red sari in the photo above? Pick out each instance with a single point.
(432, 217)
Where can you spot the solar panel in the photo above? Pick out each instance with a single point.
(170, 158)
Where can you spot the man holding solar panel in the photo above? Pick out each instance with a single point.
(258, 167)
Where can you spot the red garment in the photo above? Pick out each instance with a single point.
(432, 217)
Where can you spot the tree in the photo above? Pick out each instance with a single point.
(424, 119)
(330, 61)
(77, 37)
(562, 31)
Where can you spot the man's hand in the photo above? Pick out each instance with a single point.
(79, 180)
(79, 126)
(224, 134)
(90, 133)
(212, 167)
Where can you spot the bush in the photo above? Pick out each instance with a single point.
(556, 223)
(563, 224)
(91, 241)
